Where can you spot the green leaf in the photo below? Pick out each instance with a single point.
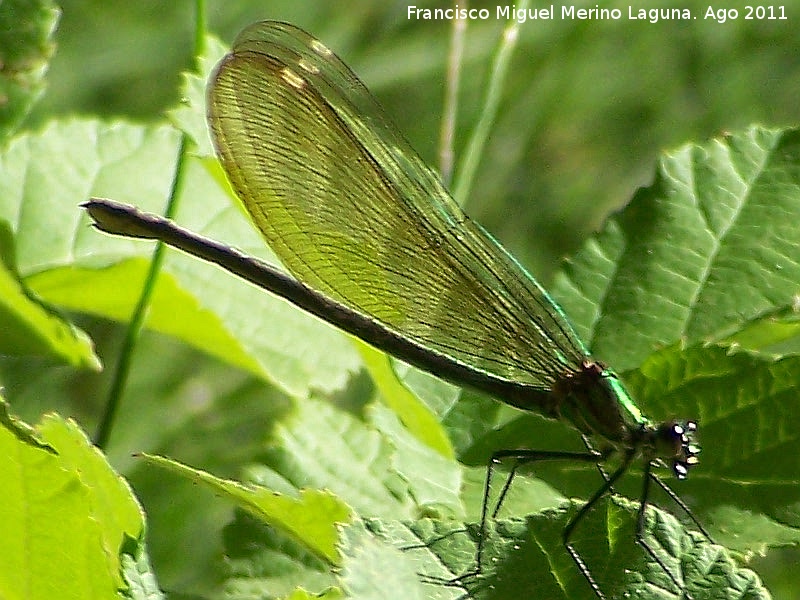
(21, 430)
(373, 570)
(749, 533)
(67, 517)
(322, 447)
(26, 45)
(44, 182)
(175, 311)
(263, 562)
(707, 252)
(190, 117)
(139, 575)
(711, 245)
(311, 517)
(526, 557)
(44, 178)
(414, 414)
(748, 408)
(776, 334)
(434, 480)
(30, 328)
(113, 504)
(331, 594)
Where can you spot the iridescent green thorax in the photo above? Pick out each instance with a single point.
(596, 403)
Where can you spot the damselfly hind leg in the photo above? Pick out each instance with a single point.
(641, 527)
(473, 578)
(480, 576)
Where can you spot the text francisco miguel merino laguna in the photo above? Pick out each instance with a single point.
(567, 12)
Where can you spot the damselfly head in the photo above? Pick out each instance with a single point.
(677, 444)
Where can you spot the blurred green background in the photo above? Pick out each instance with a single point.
(587, 109)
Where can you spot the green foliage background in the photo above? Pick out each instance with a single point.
(589, 106)
(587, 111)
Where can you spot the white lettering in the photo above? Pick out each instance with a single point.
(447, 14)
(654, 15)
(521, 15)
(721, 15)
(591, 14)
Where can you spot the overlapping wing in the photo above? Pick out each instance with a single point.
(352, 211)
